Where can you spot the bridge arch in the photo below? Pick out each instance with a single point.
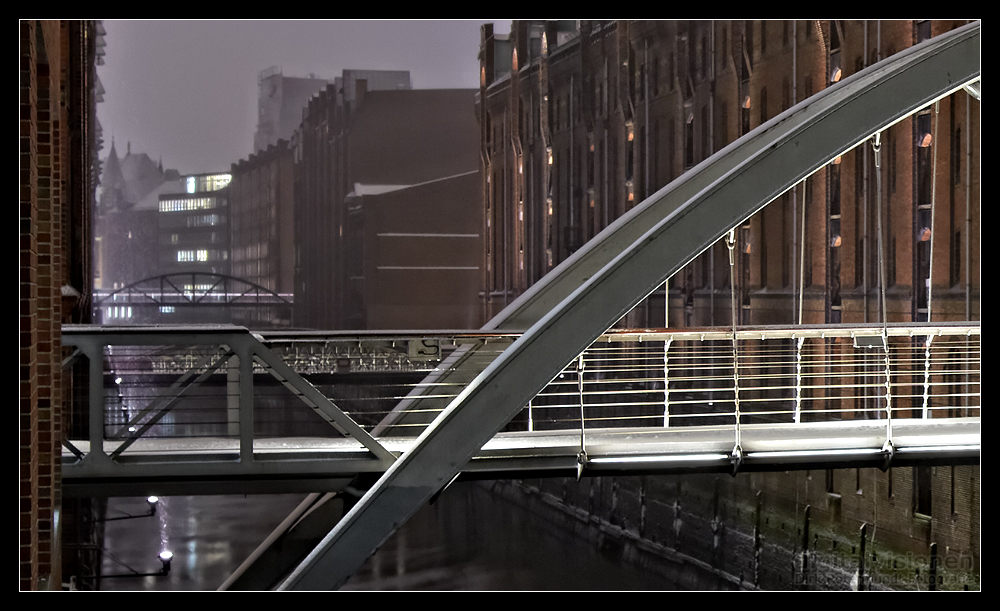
(175, 297)
(192, 288)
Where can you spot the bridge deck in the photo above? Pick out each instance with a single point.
(186, 464)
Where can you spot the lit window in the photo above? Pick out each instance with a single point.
(194, 203)
(835, 71)
(924, 130)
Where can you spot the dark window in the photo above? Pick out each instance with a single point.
(763, 105)
(923, 30)
(724, 48)
(859, 216)
(705, 143)
(763, 256)
(704, 57)
(955, 272)
(890, 161)
(629, 154)
(922, 490)
(654, 77)
(722, 129)
(689, 141)
(786, 238)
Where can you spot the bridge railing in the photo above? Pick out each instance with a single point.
(179, 385)
(674, 378)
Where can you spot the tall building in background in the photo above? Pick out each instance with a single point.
(262, 225)
(193, 225)
(280, 100)
(581, 121)
(386, 213)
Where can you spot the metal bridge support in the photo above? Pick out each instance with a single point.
(762, 165)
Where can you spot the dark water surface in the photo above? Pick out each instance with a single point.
(469, 539)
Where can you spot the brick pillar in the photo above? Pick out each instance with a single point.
(40, 303)
(44, 332)
(28, 398)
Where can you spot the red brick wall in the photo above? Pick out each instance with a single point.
(41, 272)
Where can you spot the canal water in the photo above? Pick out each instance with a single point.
(469, 539)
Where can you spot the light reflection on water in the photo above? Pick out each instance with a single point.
(472, 540)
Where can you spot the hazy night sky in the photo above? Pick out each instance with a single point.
(186, 91)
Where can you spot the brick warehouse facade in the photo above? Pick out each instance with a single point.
(581, 121)
(599, 116)
(58, 139)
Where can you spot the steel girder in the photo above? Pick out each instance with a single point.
(97, 464)
(627, 262)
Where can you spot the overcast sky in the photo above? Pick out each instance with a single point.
(186, 91)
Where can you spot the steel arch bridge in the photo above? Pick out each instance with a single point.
(192, 288)
(157, 295)
(566, 316)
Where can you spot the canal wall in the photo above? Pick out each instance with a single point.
(842, 529)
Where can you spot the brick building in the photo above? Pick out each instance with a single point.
(59, 141)
(581, 121)
(360, 155)
(262, 226)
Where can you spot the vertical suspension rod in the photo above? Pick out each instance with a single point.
(731, 244)
(930, 264)
(877, 147)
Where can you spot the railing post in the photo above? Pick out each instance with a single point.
(888, 393)
(245, 401)
(927, 375)
(233, 396)
(738, 448)
(861, 558)
(666, 383)
(798, 380)
(531, 419)
(94, 350)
